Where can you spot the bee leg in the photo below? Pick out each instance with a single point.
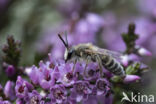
(87, 61)
(74, 64)
(100, 64)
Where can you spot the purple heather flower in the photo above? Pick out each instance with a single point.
(45, 75)
(58, 94)
(43, 93)
(58, 48)
(44, 66)
(95, 21)
(86, 28)
(102, 86)
(79, 68)
(51, 39)
(143, 52)
(91, 100)
(126, 58)
(34, 97)
(45, 78)
(29, 85)
(56, 74)
(6, 102)
(10, 71)
(69, 101)
(20, 101)
(53, 63)
(105, 99)
(147, 6)
(144, 28)
(42, 102)
(131, 78)
(92, 71)
(34, 74)
(80, 91)
(1, 102)
(109, 19)
(66, 74)
(99, 99)
(79, 71)
(112, 39)
(22, 87)
(9, 90)
(109, 99)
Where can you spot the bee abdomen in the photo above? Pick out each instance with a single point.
(119, 70)
(113, 66)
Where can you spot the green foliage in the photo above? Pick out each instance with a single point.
(129, 38)
(12, 51)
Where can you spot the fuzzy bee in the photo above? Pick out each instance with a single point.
(90, 53)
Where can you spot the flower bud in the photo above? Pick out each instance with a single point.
(10, 71)
(9, 90)
(126, 58)
(144, 52)
(1, 88)
(131, 78)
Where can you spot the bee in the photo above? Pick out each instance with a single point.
(91, 53)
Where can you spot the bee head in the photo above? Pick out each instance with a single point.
(69, 51)
(68, 54)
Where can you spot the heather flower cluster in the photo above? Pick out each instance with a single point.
(64, 83)
(59, 82)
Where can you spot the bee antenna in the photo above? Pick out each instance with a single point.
(65, 44)
(66, 38)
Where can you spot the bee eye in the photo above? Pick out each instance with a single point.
(69, 55)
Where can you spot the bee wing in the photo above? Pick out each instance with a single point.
(114, 54)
